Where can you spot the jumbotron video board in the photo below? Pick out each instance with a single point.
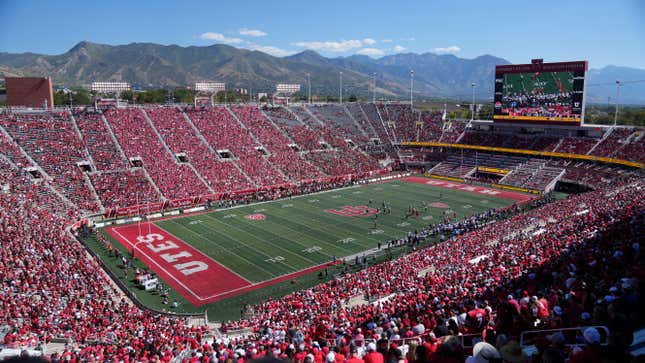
(542, 93)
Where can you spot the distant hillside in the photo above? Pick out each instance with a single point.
(147, 65)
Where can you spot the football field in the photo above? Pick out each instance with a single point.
(212, 256)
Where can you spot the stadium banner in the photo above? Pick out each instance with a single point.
(516, 189)
(632, 164)
(449, 178)
(195, 201)
(487, 169)
(542, 93)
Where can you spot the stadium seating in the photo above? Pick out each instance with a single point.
(50, 139)
(357, 113)
(224, 132)
(575, 145)
(306, 138)
(12, 151)
(282, 155)
(336, 118)
(576, 262)
(138, 140)
(181, 138)
(98, 142)
(118, 189)
(375, 121)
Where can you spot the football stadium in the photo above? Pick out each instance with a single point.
(261, 225)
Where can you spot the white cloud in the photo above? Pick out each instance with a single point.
(275, 51)
(399, 49)
(253, 32)
(336, 47)
(387, 40)
(450, 49)
(373, 52)
(218, 37)
(411, 39)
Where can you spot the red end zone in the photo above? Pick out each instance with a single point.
(520, 197)
(197, 277)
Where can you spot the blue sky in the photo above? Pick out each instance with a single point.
(604, 32)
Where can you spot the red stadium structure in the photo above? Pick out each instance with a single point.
(29, 92)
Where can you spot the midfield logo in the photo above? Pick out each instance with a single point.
(353, 211)
(255, 217)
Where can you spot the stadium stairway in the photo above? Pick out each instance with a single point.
(367, 125)
(359, 127)
(210, 147)
(47, 187)
(90, 186)
(154, 129)
(252, 136)
(312, 116)
(602, 139)
(80, 136)
(25, 154)
(284, 133)
(114, 140)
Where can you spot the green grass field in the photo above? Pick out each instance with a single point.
(299, 233)
(549, 82)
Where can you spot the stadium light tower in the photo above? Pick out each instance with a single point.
(411, 84)
(340, 88)
(309, 87)
(617, 95)
(472, 114)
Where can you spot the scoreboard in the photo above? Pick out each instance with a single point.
(541, 93)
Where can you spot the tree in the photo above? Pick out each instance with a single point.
(77, 97)
(127, 96)
(184, 95)
(352, 98)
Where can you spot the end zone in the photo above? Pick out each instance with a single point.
(194, 275)
(519, 197)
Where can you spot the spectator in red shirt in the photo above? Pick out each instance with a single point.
(372, 355)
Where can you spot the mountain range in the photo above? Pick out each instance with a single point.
(148, 65)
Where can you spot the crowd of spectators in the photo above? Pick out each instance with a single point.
(138, 140)
(224, 132)
(98, 141)
(568, 263)
(576, 145)
(573, 262)
(282, 155)
(306, 138)
(182, 138)
(337, 119)
(122, 188)
(51, 140)
(356, 111)
(372, 113)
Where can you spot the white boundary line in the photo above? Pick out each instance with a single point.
(208, 257)
(158, 265)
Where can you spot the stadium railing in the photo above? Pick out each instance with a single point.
(200, 200)
(573, 336)
(525, 152)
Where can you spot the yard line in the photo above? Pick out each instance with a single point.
(303, 234)
(205, 255)
(351, 229)
(322, 241)
(258, 250)
(228, 250)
